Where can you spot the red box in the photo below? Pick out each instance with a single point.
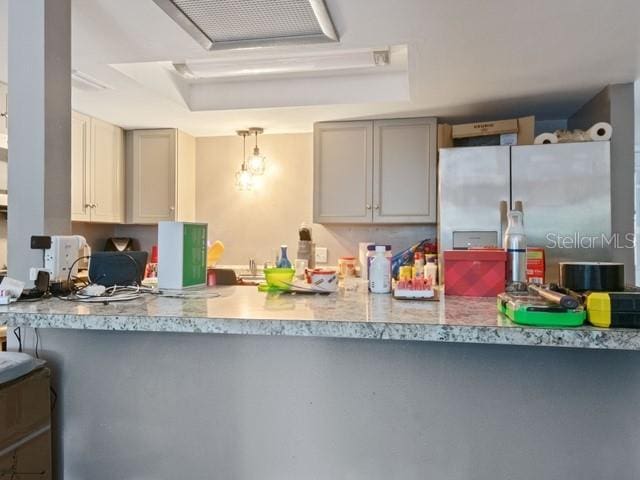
(474, 273)
(535, 265)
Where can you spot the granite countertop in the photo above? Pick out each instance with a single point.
(349, 313)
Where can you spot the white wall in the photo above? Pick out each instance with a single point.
(254, 224)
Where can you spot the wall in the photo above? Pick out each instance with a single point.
(254, 224)
(614, 104)
(166, 406)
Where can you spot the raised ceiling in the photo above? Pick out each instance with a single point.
(465, 59)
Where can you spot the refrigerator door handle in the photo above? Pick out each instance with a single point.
(504, 209)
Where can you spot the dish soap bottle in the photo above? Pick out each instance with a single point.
(515, 243)
(283, 261)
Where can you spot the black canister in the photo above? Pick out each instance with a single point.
(592, 276)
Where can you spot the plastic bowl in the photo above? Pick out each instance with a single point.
(279, 277)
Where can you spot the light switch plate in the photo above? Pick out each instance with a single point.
(321, 254)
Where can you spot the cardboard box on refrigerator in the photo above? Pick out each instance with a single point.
(523, 128)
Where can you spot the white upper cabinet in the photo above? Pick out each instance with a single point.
(381, 171)
(97, 170)
(160, 176)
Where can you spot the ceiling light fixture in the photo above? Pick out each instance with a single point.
(244, 178)
(272, 65)
(256, 162)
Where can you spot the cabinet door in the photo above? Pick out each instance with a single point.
(107, 172)
(80, 167)
(151, 179)
(3, 112)
(342, 172)
(404, 171)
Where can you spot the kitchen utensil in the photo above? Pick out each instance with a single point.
(279, 278)
(566, 301)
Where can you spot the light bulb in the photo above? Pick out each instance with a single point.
(256, 162)
(244, 179)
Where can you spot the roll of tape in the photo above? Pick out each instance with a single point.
(592, 276)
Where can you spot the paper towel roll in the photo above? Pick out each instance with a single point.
(545, 138)
(601, 131)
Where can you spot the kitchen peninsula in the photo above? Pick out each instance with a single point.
(319, 386)
(351, 314)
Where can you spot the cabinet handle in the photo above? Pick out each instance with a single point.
(368, 207)
(172, 209)
(87, 205)
(93, 205)
(377, 207)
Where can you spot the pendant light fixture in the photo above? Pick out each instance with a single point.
(256, 162)
(244, 178)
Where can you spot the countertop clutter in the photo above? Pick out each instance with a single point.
(351, 313)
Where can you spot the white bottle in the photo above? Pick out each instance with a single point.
(380, 271)
(515, 243)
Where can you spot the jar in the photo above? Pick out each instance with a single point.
(347, 267)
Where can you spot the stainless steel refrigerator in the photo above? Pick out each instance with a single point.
(564, 191)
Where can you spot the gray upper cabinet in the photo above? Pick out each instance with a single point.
(343, 166)
(378, 171)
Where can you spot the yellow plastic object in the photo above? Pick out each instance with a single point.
(599, 309)
(214, 252)
(279, 277)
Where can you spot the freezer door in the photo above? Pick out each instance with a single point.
(565, 191)
(473, 186)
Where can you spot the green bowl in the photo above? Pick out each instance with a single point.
(279, 277)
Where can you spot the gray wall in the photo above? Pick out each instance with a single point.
(615, 104)
(168, 406)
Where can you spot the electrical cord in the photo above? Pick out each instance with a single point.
(18, 333)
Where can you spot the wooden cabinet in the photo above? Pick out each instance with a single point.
(97, 170)
(378, 171)
(160, 176)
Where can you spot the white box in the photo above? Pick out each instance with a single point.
(182, 254)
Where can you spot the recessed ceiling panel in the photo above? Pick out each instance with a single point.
(233, 24)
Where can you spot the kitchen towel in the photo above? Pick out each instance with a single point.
(599, 132)
(545, 138)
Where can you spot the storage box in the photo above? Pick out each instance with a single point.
(474, 273)
(535, 265)
(523, 127)
(25, 427)
(182, 254)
